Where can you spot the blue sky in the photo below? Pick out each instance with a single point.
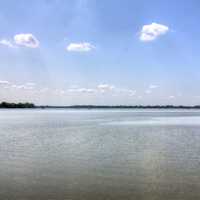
(64, 52)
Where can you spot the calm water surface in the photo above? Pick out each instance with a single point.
(99, 155)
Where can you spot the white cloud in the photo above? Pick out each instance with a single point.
(153, 86)
(125, 91)
(148, 91)
(80, 47)
(105, 87)
(171, 97)
(81, 90)
(27, 40)
(43, 90)
(7, 43)
(151, 31)
(102, 88)
(132, 93)
(59, 92)
(4, 82)
(62, 92)
(9, 85)
(30, 84)
(23, 87)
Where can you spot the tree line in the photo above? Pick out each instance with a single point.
(16, 105)
(125, 107)
(31, 105)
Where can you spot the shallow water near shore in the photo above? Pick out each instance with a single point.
(59, 154)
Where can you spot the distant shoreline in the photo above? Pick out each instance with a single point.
(117, 107)
(6, 105)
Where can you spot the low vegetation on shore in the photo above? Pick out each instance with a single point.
(31, 105)
(17, 105)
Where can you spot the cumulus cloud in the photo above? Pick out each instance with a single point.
(27, 40)
(80, 47)
(151, 31)
(105, 87)
(7, 43)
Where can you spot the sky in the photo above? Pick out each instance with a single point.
(102, 52)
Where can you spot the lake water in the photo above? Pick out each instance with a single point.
(99, 154)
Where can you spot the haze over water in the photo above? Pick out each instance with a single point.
(99, 154)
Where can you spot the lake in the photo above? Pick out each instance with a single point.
(57, 154)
